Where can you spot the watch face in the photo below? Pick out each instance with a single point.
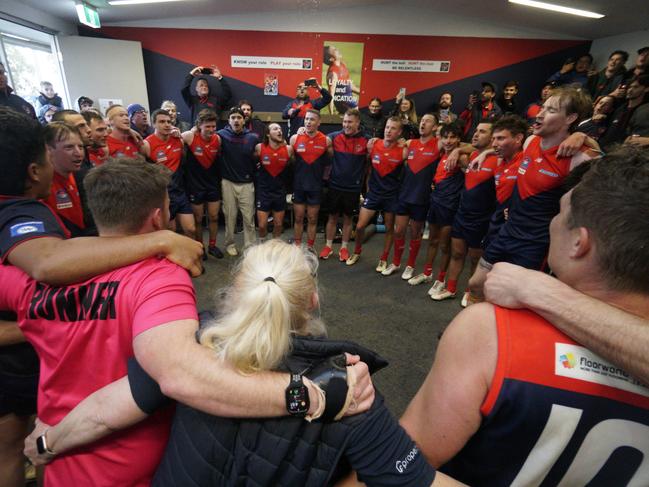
(297, 397)
(40, 445)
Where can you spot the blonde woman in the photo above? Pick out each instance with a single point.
(267, 321)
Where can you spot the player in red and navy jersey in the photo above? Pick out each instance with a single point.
(98, 149)
(348, 171)
(121, 142)
(66, 153)
(414, 194)
(202, 176)
(165, 146)
(295, 112)
(313, 152)
(524, 238)
(510, 399)
(444, 200)
(477, 203)
(274, 156)
(343, 91)
(386, 156)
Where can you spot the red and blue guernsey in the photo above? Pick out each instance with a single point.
(477, 200)
(271, 172)
(119, 148)
(169, 153)
(201, 166)
(556, 414)
(349, 161)
(387, 164)
(310, 160)
(65, 201)
(98, 155)
(418, 171)
(448, 185)
(535, 200)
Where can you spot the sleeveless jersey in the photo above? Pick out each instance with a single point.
(539, 187)
(168, 152)
(310, 160)
(201, 164)
(556, 414)
(418, 171)
(119, 148)
(271, 171)
(448, 185)
(387, 164)
(505, 180)
(349, 161)
(478, 198)
(65, 201)
(98, 156)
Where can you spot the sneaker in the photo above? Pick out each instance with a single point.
(465, 299)
(343, 255)
(391, 269)
(442, 295)
(232, 250)
(407, 273)
(382, 265)
(420, 279)
(326, 252)
(353, 259)
(214, 251)
(204, 254)
(437, 287)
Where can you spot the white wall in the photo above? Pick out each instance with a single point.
(104, 68)
(631, 42)
(379, 19)
(38, 17)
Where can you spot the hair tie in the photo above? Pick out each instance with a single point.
(269, 278)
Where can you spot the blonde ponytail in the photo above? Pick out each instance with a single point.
(270, 298)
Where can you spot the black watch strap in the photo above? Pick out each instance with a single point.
(297, 397)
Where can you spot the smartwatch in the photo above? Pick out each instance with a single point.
(297, 397)
(41, 445)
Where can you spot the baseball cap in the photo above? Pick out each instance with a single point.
(642, 50)
(134, 108)
(84, 100)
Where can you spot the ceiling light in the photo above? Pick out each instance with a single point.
(558, 8)
(139, 2)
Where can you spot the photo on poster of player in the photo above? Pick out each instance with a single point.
(271, 84)
(342, 77)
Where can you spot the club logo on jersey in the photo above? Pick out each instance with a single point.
(63, 200)
(161, 156)
(376, 159)
(301, 147)
(524, 164)
(567, 360)
(266, 161)
(411, 154)
(198, 151)
(24, 228)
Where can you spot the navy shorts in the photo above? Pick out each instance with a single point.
(525, 253)
(310, 198)
(18, 388)
(378, 203)
(270, 202)
(178, 203)
(440, 215)
(205, 196)
(342, 202)
(415, 212)
(472, 232)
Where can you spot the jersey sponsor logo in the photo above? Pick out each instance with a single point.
(63, 200)
(522, 169)
(402, 465)
(549, 173)
(24, 228)
(589, 367)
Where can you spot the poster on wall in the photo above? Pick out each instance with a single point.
(271, 84)
(412, 65)
(269, 62)
(342, 77)
(106, 103)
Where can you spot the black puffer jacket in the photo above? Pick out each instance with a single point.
(206, 450)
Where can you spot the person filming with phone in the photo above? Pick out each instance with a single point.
(212, 97)
(296, 109)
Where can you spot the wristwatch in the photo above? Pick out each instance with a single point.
(41, 445)
(297, 397)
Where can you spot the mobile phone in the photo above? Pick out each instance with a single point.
(402, 93)
(310, 82)
(207, 71)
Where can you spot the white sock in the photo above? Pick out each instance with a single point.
(330, 243)
(344, 245)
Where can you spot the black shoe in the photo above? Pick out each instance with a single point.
(215, 252)
(204, 254)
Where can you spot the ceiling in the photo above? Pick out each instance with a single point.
(622, 16)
